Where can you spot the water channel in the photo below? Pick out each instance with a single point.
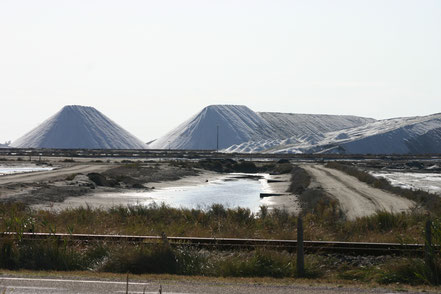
(11, 169)
(233, 190)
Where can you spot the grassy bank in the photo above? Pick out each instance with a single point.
(216, 221)
(111, 257)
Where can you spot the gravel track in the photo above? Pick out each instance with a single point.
(357, 199)
(52, 174)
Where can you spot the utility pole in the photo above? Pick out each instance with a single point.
(217, 138)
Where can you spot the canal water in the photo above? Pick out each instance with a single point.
(6, 169)
(232, 190)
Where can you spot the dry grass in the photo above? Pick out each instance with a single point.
(321, 224)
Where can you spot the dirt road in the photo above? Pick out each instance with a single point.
(52, 174)
(357, 199)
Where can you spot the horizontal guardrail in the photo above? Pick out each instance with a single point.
(349, 248)
(194, 154)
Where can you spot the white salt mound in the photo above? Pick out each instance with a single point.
(75, 127)
(408, 135)
(239, 124)
(243, 130)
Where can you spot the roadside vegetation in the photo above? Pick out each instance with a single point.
(321, 215)
(216, 221)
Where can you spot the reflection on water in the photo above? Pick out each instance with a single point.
(5, 170)
(228, 192)
(231, 191)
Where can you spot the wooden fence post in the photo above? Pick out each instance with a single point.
(165, 240)
(300, 251)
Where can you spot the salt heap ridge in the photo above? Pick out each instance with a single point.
(239, 124)
(404, 135)
(243, 130)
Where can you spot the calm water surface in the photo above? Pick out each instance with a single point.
(5, 170)
(229, 191)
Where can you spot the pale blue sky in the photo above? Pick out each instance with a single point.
(149, 65)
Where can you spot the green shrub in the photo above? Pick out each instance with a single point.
(283, 168)
(50, 254)
(71, 177)
(409, 271)
(261, 264)
(193, 262)
(158, 259)
(68, 160)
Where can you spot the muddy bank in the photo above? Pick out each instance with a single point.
(75, 184)
(230, 190)
(137, 175)
(76, 180)
(105, 198)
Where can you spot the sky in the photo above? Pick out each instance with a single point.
(150, 65)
